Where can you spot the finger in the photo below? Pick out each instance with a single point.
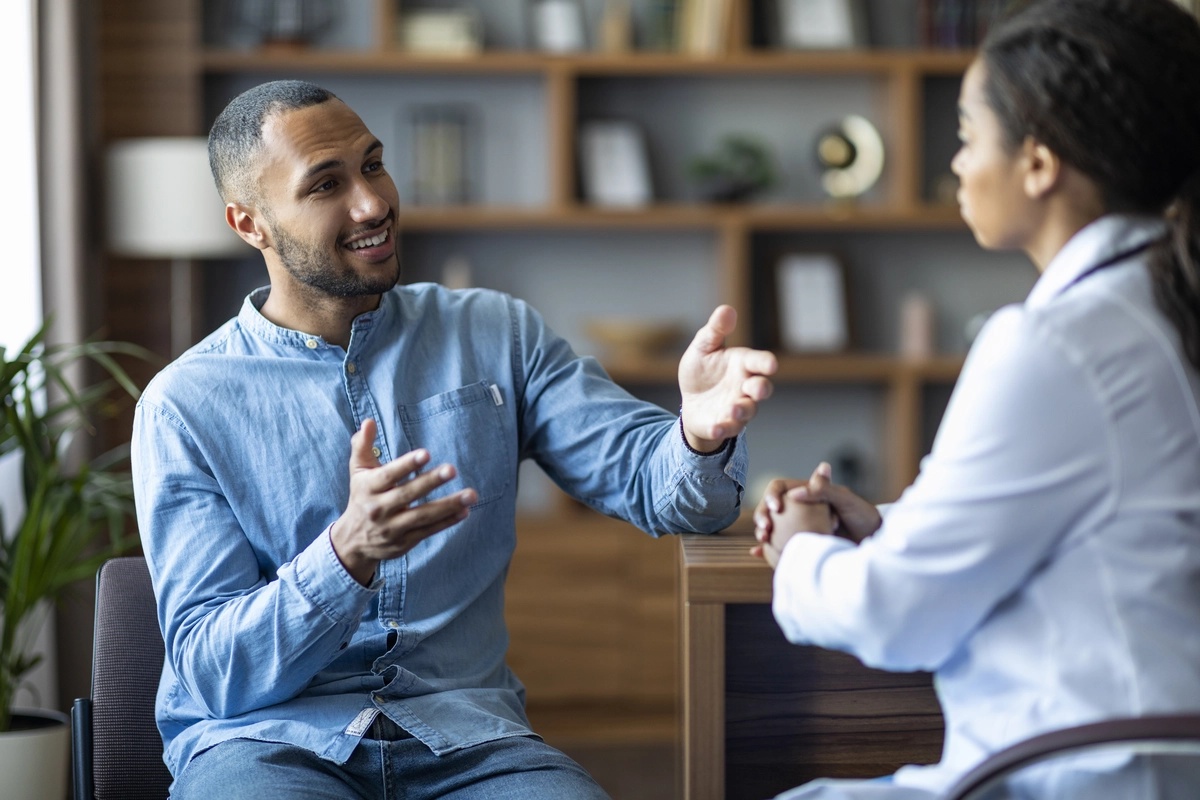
(745, 409)
(760, 362)
(758, 388)
(434, 511)
(770, 554)
(411, 492)
(411, 536)
(720, 324)
(775, 492)
(361, 454)
(397, 471)
(821, 477)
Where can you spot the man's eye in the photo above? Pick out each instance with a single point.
(325, 187)
(374, 166)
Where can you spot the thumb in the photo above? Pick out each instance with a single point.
(362, 456)
(720, 324)
(820, 482)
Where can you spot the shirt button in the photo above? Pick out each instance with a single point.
(351, 368)
(311, 344)
(391, 623)
(375, 451)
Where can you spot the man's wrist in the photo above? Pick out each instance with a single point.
(360, 568)
(720, 447)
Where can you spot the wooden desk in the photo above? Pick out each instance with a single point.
(761, 715)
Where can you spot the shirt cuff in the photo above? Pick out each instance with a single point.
(322, 579)
(797, 593)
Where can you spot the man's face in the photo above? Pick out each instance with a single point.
(328, 203)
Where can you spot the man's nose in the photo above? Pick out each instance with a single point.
(368, 203)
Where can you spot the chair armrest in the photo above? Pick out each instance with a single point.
(1173, 727)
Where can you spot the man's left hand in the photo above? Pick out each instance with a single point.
(721, 386)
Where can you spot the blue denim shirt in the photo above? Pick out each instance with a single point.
(240, 458)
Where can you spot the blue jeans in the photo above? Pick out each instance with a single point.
(516, 768)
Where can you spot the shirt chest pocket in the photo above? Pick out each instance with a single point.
(466, 428)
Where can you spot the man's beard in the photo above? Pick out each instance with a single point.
(312, 268)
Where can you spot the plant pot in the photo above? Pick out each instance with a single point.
(34, 756)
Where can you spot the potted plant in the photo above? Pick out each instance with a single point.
(76, 515)
(740, 168)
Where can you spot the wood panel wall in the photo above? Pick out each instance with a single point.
(147, 83)
(140, 80)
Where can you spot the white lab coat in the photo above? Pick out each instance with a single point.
(1045, 565)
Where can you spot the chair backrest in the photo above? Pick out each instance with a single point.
(127, 659)
(1114, 758)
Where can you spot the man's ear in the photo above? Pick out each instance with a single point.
(1043, 169)
(246, 222)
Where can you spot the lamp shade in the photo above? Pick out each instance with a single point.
(162, 202)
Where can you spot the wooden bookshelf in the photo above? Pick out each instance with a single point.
(173, 101)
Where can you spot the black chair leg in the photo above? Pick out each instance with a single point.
(82, 784)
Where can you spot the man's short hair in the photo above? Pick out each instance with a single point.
(235, 140)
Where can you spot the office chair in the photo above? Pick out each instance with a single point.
(1173, 740)
(116, 750)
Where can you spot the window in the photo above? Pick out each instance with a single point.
(20, 302)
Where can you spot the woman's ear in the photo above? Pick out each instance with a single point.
(1043, 169)
(246, 223)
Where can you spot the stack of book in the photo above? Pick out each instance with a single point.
(957, 24)
(705, 27)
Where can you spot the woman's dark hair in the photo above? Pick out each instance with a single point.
(1113, 88)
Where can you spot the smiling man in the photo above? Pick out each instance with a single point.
(326, 488)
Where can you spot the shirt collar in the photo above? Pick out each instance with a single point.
(1097, 242)
(251, 318)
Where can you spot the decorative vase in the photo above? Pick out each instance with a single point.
(34, 755)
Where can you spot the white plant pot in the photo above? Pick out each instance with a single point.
(34, 761)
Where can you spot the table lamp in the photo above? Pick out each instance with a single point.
(162, 204)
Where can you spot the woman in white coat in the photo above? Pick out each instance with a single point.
(1045, 564)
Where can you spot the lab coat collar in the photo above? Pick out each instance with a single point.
(1097, 243)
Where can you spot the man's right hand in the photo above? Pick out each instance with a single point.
(384, 518)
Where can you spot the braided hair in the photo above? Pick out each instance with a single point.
(1113, 88)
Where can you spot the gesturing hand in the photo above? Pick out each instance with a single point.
(383, 519)
(721, 386)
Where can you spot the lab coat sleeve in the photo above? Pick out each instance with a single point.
(1022, 458)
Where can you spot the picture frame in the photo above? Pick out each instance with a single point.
(556, 26)
(821, 24)
(811, 301)
(614, 166)
(441, 154)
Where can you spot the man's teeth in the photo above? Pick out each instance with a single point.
(371, 242)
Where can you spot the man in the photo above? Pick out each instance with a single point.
(335, 631)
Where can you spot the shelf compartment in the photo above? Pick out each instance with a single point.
(844, 62)
(682, 215)
(849, 368)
